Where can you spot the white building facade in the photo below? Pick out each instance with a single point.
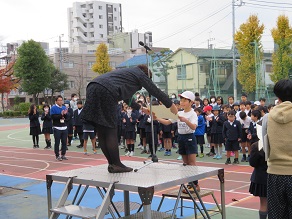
(91, 22)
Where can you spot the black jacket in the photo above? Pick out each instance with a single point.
(231, 132)
(217, 126)
(34, 119)
(124, 83)
(47, 120)
(77, 121)
(257, 160)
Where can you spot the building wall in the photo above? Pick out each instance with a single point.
(93, 21)
(192, 81)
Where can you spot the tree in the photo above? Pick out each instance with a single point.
(282, 57)
(8, 81)
(163, 63)
(246, 38)
(101, 65)
(33, 68)
(58, 83)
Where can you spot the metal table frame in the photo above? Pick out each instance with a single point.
(153, 178)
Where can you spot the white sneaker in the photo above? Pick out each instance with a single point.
(131, 154)
(179, 157)
(128, 153)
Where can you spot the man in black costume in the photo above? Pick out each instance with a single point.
(102, 96)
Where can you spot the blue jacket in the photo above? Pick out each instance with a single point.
(200, 130)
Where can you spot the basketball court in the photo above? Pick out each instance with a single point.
(23, 172)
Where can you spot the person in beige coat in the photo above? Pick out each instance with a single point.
(279, 130)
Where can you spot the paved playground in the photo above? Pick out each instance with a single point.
(23, 170)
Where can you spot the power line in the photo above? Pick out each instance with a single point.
(266, 8)
(193, 24)
(269, 2)
(211, 25)
(171, 15)
(269, 6)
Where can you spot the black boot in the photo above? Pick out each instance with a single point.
(47, 143)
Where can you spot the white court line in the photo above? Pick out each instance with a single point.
(239, 187)
(13, 133)
(52, 154)
(59, 162)
(230, 180)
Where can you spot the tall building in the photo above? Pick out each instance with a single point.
(91, 22)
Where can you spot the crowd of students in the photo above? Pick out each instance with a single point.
(63, 120)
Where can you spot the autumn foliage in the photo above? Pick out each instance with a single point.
(102, 64)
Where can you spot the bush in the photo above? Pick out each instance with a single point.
(16, 107)
(24, 113)
(24, 107)
(1, 114)
(6, 113)
(16, 113)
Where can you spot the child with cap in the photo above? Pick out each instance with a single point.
(187, 123)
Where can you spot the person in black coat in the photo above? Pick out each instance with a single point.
(102, 96)
(47, 125)
(259, 177)
(78, 124)
(34, 124)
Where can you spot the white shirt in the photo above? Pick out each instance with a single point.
(207, 122)
(182, 127)
(246, 122)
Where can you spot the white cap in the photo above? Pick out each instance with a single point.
(188, 95)
(257, 103)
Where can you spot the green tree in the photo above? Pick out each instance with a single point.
(33, 68)
(282, 57)
(163, 65)
(248, 35)
(102, 64)
(58, 83)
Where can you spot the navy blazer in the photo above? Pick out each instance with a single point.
(217, 126)
(231, 132)
(130, 126)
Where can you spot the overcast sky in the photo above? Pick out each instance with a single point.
(174, 23)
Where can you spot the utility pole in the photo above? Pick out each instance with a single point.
(233, 49)
(60, 52)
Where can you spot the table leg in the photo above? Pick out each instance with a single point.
(127, 203)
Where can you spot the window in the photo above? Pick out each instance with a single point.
(92, 34)
(101, 35)
(181, 72)
(115, 18)
(100, 26)
(100, 7)
(115, 9)
(201, 68)
(69, 64)
(269, 68)
(113, 64)
(100, 16)
(71, 84)
(116, 27)
(84, 15)
(89, 65)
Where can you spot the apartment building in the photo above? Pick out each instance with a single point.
(91, 22)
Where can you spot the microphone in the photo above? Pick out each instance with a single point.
(146, 47)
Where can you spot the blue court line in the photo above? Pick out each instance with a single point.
(35, 205)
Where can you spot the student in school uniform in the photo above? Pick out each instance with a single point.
(47, 125)
(78, 124)
(200, 131)
(88, 131)
(130, 121)
(69, 122)
(245, 124)
(232, 135)
(34, 124)
(208, 115)
(216, 131)
(148, 132)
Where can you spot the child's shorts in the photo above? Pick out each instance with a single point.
(142, 133)
(187, 144)
(200, 139)
(166, 135)
(232, 145)
(244, 135)
(90, 134)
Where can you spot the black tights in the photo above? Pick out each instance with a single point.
(108, 142)
(35, 139)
